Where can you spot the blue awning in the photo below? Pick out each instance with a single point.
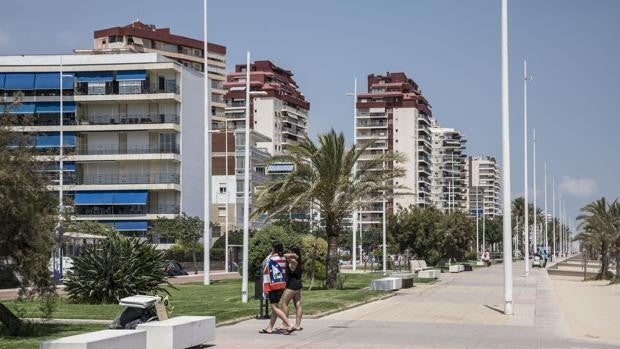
(22, 108)
(131, 225)
(54, 107)
(93, 198)
(68, 166)
(54, 166)
(2, 76)
(52, 140)
(19, 81)
(94, 76)
(131, 75)
(280, 168)
(51, 81)
(133, 197)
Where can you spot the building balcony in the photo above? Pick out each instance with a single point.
(113, 149)
(372, 124)
(109, 178)
(136, 87)
(378, 135)
(115, 212)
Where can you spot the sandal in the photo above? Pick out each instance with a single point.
(264, 331)
(298, 328)
(289, 331)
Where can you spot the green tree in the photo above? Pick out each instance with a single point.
(186, 230)
(456, 233)
(416, 228)
(261, 244)
(323, 176)
(28, 214)
(600, 225)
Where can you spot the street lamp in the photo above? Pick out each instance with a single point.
(206, 238)
(354, 222)
(246, 181)
(526, 222)
(534, 178)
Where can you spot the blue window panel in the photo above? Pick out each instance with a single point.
(52, 140)
(54, 107)
(93, 198)
(22, 108)
(131, 225)
(19, 81)
(133, 197)
(131, 75)
(51, 81)
(2, 76)
(94, 76)
(68, 166)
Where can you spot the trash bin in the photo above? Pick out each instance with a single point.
(468, 267)
(263, 312)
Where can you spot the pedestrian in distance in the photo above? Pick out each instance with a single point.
(293, 285)
(274, 283)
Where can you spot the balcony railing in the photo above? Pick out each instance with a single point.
(114, 88)
(115, 149)
(125, 210)
(109, 178)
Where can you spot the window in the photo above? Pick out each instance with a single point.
(222, 188)
(221, 211)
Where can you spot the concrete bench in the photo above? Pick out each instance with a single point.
(456, 268)
(179, 332)
(106, 339)
(407, 279)
(386, 284)
(417, 265)
(429, 274)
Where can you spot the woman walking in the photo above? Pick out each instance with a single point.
(274, 283)
(293, 285)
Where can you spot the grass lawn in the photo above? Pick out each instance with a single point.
(221, 299)
(43, 332)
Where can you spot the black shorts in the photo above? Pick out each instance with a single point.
(274, 296)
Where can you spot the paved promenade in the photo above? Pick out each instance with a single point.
(461, 311)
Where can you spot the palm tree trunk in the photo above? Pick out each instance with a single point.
(332, 255)
(194, 261)
(604, 260)
(617, 277)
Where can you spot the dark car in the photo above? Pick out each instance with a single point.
(173, 268)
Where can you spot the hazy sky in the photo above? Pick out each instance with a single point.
(450, 47)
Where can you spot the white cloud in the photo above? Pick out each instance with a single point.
(581, 187)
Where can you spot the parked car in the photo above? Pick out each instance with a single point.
(9, 277)
(173, 268)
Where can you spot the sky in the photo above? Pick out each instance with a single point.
(451, 48)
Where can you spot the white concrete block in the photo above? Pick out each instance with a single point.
(456, 268)
(179, 332)
(386, 284)
(106, 339)
(429, 274)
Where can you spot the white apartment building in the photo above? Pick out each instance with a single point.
(448, 175)
(484, 187)
(133, 132)
(395, 114)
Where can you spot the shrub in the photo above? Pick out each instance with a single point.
(114, 268)
(260, 244)
(318, 246)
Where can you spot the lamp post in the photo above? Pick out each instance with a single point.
(354, 221)
(226, 260)
(477, 219)
(534, 178)
(206, 238)
(546, 216)
(526, 222)
(553, 215)
(508, 306)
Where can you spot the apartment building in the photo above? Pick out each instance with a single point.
(448, 175)
(395, 114)
(278, 110)
(483, 180)
(133, 132)
(140, 37)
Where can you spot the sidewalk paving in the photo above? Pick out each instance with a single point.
(461, 311)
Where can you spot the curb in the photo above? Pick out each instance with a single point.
(351, 306)
(235, 321)
(70, 321)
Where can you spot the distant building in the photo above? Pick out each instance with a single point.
(483, 186)
(448, 175)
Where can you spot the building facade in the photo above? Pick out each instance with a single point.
(448, 175)
(396, 115)
(484, 187)
(133, 132)
(140, 37)
(280, 112)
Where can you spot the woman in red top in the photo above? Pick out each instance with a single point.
(274, 283)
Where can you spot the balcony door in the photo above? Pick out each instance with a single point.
(122, 143)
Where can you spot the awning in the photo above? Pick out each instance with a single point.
(52, 140)
(22, 108)
(54, 107)
(51, 81)
(131, 225)
(68, 166)
(131, 197)
(2, 76)
(54, 166)
(19, 81)
(131, 75)
(94, 76)
(280, 168)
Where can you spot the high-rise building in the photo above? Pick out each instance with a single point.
(280, 112)
(484, 187)
(132, 132)
(395, 114)
(140, 37)
(448, 175)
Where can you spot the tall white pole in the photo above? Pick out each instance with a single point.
(477, 219)
(546, 215)
(226, 259)
(560, 221)
(61, 206)
(246, 185)
(553, 215)
(354, 226)
(506, 166)
(384, 230)
(526, 206)
(535, 237)
(206, 238)
(484, 211)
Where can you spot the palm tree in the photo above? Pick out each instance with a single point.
(599, 229)
(323, 177)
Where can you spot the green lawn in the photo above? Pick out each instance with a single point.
(43, 332)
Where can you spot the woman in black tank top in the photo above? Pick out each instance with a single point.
(294, 285)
